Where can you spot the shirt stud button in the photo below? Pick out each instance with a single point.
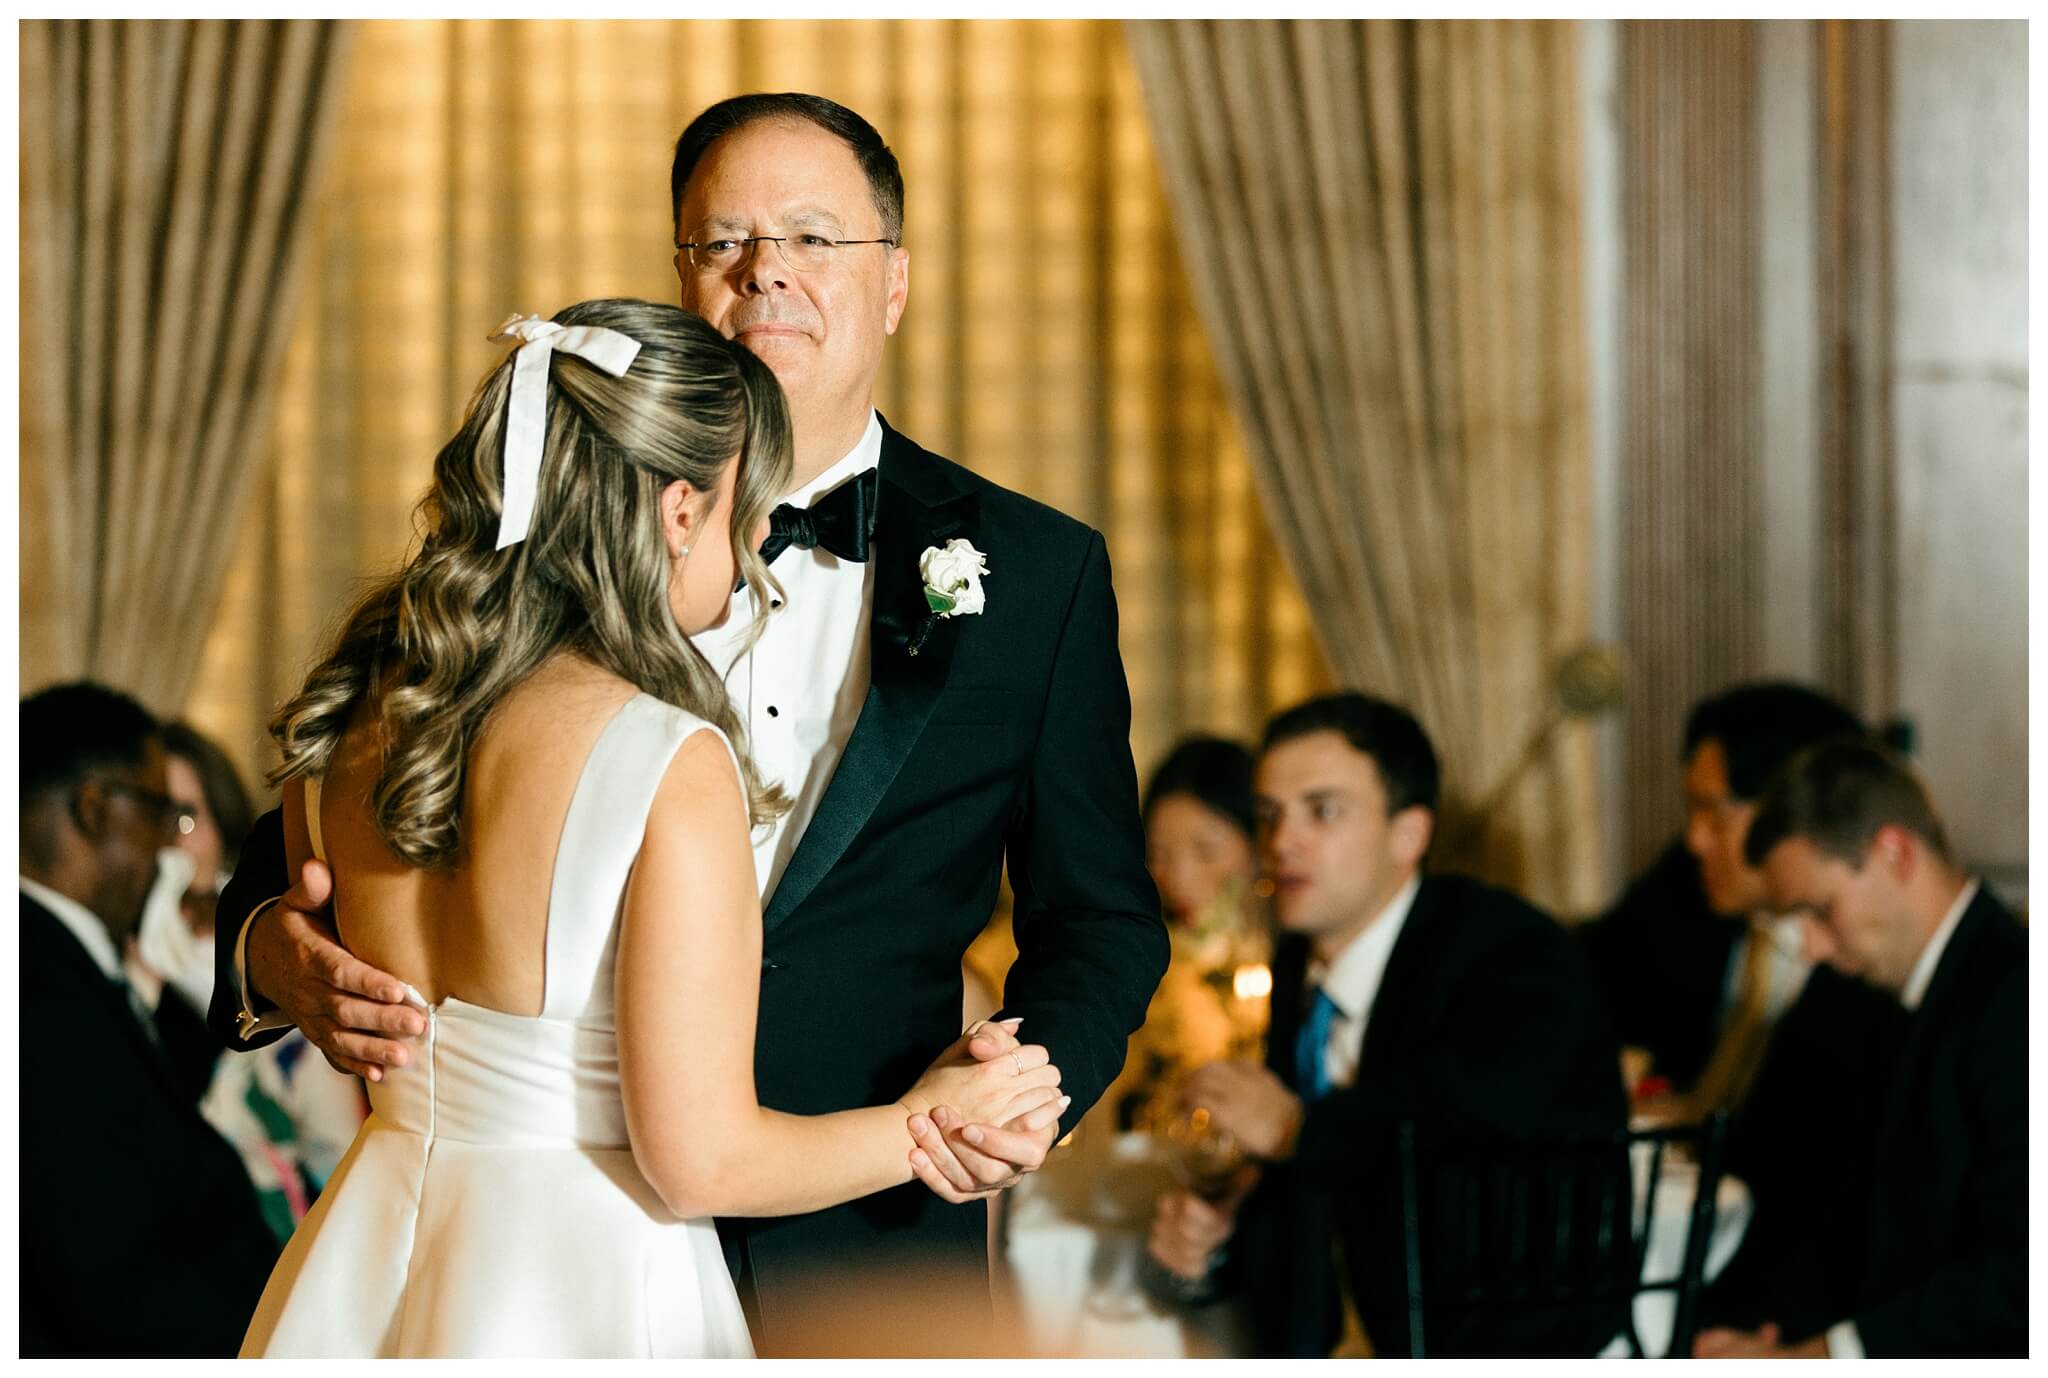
(773, 712)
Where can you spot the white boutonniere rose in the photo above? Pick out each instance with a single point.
(952, 578)
(952, 584)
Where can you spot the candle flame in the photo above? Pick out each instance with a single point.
(1252, 982)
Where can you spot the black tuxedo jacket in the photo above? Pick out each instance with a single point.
(140, 1232)
(1805, 1141)
(1486, 1020)
(1947, 1263)
(1005, 737)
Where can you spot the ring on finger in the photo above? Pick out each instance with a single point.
(1017, 1062)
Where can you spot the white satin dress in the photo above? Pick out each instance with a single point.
(490, 1206)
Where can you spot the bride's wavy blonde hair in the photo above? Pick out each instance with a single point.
(438, 645)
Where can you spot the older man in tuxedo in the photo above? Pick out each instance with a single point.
(1848, 838)
(1397, 996)
(124, 1188)
(941, 693)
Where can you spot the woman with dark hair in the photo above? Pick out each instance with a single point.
(175, 943)
(535, 797)
(1199, 827)
(1199, 848)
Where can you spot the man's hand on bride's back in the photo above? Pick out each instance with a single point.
(352, 1012)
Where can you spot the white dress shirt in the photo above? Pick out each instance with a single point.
(799, 691)
(1843, 1339)
(1352, 982)
(1915, 989)
(1786, 970)
(92, 935)
(85, 926)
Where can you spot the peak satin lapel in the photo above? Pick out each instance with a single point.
(902, 688)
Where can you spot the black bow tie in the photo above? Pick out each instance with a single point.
(841, 522)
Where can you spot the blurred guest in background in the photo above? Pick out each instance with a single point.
(122, 1181)
(1198, 846)
(291, 1116)
(1848, 839)
(173, 949)
(1396, 996)
(1198, 831)
(1694, 966)
(1701, 969)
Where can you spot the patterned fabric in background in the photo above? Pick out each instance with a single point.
(291, 1117)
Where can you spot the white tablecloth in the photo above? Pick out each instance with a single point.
(1076, 1236)
(1670, 1214)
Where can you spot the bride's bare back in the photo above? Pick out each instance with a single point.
(687, 958)
(477, 930)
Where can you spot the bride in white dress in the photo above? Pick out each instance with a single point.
(523, 778)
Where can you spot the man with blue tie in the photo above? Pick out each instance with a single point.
(1397, 996)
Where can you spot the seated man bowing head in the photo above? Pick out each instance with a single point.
(1396, 996)
(1848, 839)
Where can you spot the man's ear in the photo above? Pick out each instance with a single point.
(899, 289)
(1894, 847)
(1409, 834)
(89, 809)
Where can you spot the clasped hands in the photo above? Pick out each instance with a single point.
(983, 1115)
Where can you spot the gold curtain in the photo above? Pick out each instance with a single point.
(1051, 341)
(1693, 537)
(166, 169)
(1381, 220)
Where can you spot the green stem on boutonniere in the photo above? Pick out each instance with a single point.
(940, 604)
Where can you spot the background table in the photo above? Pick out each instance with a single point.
(1670, 1214)
(1074, 1239)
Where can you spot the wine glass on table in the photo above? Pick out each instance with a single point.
(1205, 1158)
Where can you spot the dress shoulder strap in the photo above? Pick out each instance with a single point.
(600, 841)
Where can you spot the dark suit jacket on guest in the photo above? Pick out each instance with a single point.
(140, 1231)
(1006, 736)
(1947, 1263)
(1485, 1020)
(184, 1036)
(1805, 1141)
(1661, 956)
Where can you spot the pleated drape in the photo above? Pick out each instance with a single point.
(166, 171)
(1381, 223)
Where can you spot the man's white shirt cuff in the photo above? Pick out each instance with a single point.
(247, 1023)
(1843, 1341)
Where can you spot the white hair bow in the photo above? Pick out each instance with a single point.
(526, 420)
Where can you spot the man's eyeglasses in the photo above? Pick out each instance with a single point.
(172, 818)
(805, 252)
